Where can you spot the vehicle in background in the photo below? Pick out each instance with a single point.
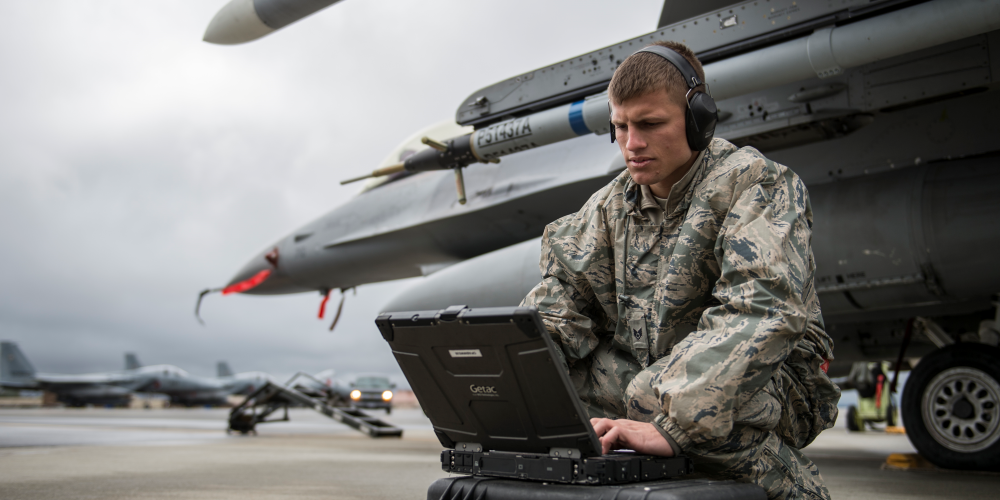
(371, 391)
(875, 402)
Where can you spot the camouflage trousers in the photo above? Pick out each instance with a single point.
(751, 454)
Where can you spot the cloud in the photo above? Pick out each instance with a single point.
(139, 164)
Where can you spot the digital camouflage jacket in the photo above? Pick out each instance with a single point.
(719, 296)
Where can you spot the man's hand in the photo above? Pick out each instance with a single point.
(629, 434)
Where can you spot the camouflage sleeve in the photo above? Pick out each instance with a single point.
(577, 269)
(765, 259)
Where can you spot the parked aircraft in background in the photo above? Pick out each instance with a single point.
(180, 386)
(883, 107)
(111, 388)
(241, 383)
(116, 388)
(131, 361)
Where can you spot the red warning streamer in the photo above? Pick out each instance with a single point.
(322, 305)
(878, 391)
(247, 284)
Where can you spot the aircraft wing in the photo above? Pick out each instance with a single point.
(47, 379)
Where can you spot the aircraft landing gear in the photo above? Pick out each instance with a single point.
(951, 407)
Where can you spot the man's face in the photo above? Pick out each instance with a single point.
(650, 132)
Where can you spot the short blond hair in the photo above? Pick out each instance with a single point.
(643, 72)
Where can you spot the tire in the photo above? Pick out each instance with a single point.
(854, 424)
(951, 406)
(890, 415)
(388, 411)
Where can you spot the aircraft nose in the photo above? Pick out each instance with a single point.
(263, 275)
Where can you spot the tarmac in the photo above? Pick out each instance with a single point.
(185, 453)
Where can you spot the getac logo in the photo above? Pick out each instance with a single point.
(483, 390)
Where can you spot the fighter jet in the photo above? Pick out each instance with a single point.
(181, 387)
(131, 361)
(241, 383)
(882, 107)
(101, 389)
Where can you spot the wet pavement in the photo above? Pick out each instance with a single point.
(185, 453)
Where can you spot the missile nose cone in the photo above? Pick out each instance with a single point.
(237, 22)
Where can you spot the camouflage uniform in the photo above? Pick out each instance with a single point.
(701, 318)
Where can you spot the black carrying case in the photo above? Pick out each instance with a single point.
(617, 468)
(486, 488)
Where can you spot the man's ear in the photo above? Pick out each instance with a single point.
(611, 125)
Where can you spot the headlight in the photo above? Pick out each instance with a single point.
(355, 394)
(387, 395)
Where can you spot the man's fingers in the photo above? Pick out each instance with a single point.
(629, 434)
(609, 441)
(601, 425)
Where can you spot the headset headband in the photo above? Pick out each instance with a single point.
(679, 62)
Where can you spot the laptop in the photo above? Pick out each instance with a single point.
(500, 402)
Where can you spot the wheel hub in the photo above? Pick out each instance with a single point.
(961, 411)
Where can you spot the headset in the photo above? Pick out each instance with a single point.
(702, 114)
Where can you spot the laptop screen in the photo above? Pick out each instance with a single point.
(488, 377)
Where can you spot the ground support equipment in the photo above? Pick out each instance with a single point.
(272, 397)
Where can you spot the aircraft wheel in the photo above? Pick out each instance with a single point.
(854, 422)
(388, 411)
(951, 406)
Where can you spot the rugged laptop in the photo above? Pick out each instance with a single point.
(501, 404)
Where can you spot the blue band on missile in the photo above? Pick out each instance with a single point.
(576, 118)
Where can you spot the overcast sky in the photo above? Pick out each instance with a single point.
(139, 165)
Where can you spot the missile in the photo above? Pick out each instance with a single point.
(488, 144)
(825, 52)
(241, 21)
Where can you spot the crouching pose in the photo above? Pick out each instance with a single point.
(682, 292)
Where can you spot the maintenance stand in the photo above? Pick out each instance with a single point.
(272, 396)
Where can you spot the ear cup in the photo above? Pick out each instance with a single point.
(702, 115)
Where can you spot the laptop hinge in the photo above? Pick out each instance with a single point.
(451, 313)
(564, 452)
(476, 447)
(385, 326)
